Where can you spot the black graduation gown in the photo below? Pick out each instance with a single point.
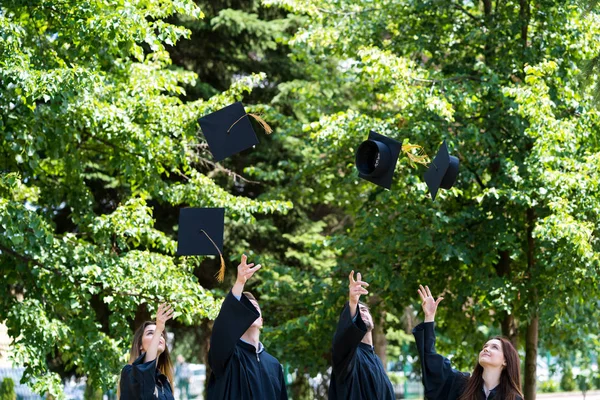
(143, 381)
(440, 380)
(357, 372)
(238, 371)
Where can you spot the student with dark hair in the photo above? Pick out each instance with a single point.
(150, 371)
(497, 374)
(357, 372)
(241, 368)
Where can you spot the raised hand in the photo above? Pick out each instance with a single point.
(245, 271)
(429, 304)
(164, 313)
(356, 289)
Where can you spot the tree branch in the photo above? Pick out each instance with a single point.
(461, 8)
(26, 259)
(346, 13)
(477, 177)
(455, 78)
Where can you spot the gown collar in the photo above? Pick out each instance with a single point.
(249, 346)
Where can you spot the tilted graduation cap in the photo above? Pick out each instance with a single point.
(442, 171)
(201, 234)
(229, 131)
(376, 159)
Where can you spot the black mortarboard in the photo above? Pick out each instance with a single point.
(442, 172)
(376, 159)
(229, 131)
(201, 233)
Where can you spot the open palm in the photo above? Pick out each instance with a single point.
(429, 304)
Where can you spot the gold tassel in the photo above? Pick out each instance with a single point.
(258, 118)
(221, 274)
(264, 124)
(420, 158)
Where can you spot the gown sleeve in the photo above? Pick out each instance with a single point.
(440, 380)
(138, 380)
(348, 336)
(235, 317)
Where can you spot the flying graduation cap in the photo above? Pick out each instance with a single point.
(201, 234)
(442, 171)
(229, 131)
(376, 160)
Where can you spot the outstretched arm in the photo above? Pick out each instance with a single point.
(440, 380)
(164, 313)
(350, 330)
(245, 272)
(429, 304)
(138, 379)
(236, 316)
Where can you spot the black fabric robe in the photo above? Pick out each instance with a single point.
(440, 380)
(239, 372)
(143, 381)
(357, 373)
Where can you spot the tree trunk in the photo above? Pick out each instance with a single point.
(380, 341)
(531, 341)
(509, 324)
(524, 16)
(510, 329)
(531, 350)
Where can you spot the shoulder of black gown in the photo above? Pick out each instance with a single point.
(138, 380)
(346, 339)
(440, 380)
(234, 318)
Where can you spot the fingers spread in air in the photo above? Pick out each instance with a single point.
(421, 291)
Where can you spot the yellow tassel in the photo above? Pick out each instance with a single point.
(420, 158)
(258, 119)
(261, 121)
(221, 274)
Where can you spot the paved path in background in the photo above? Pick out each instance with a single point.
(593, 395)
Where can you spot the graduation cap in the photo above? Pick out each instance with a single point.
(201, 234)
(442, 171)
(376, 159)
(228, 131)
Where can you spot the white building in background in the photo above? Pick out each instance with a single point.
(5, 342)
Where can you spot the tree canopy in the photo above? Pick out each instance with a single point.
(101, 147)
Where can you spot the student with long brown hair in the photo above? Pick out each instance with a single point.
(497, 374)
(150, 371)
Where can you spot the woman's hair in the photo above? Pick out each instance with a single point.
(510, 379)
(164, 364)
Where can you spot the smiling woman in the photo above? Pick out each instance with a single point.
(496, 375)
(150, 371)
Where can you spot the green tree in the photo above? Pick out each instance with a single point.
(567, 381)
(514, 245)
(7, 389)
(95, 139)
